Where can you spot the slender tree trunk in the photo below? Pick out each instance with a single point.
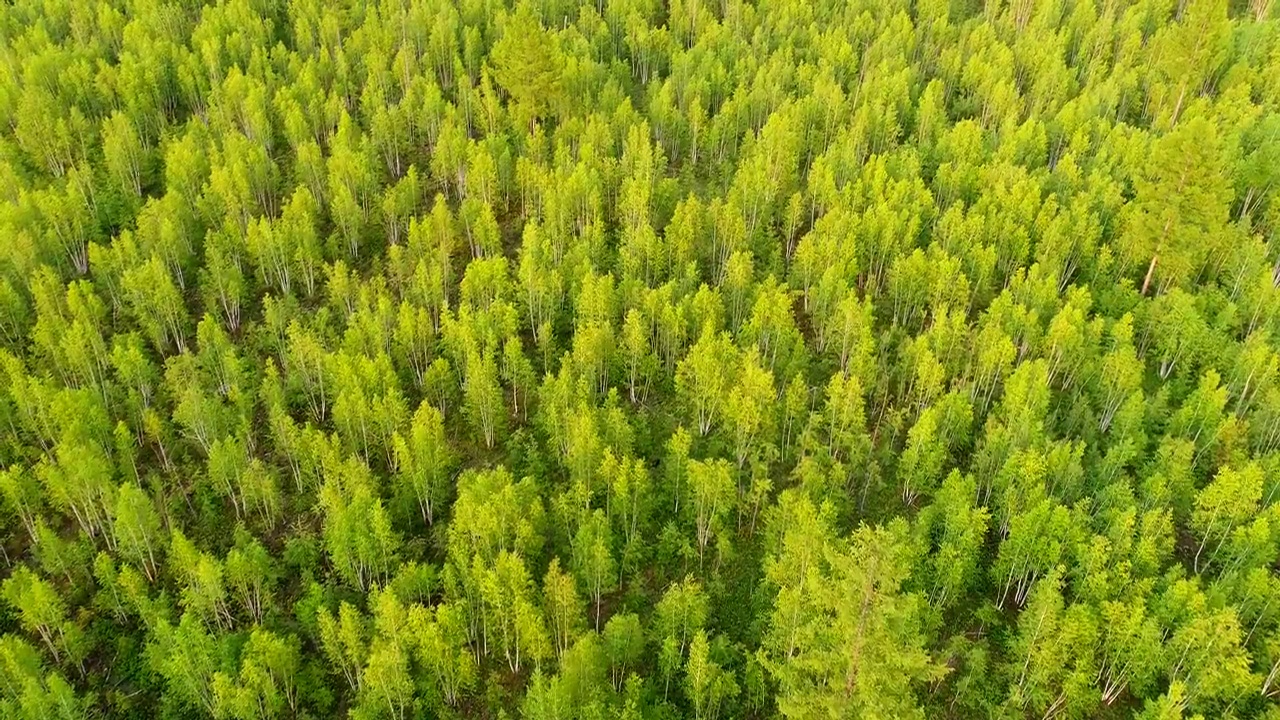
(1151, 269)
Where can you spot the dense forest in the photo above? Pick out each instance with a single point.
(635, 359)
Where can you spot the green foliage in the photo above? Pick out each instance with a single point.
(634, 359)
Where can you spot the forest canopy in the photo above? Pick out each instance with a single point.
(802, 359)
